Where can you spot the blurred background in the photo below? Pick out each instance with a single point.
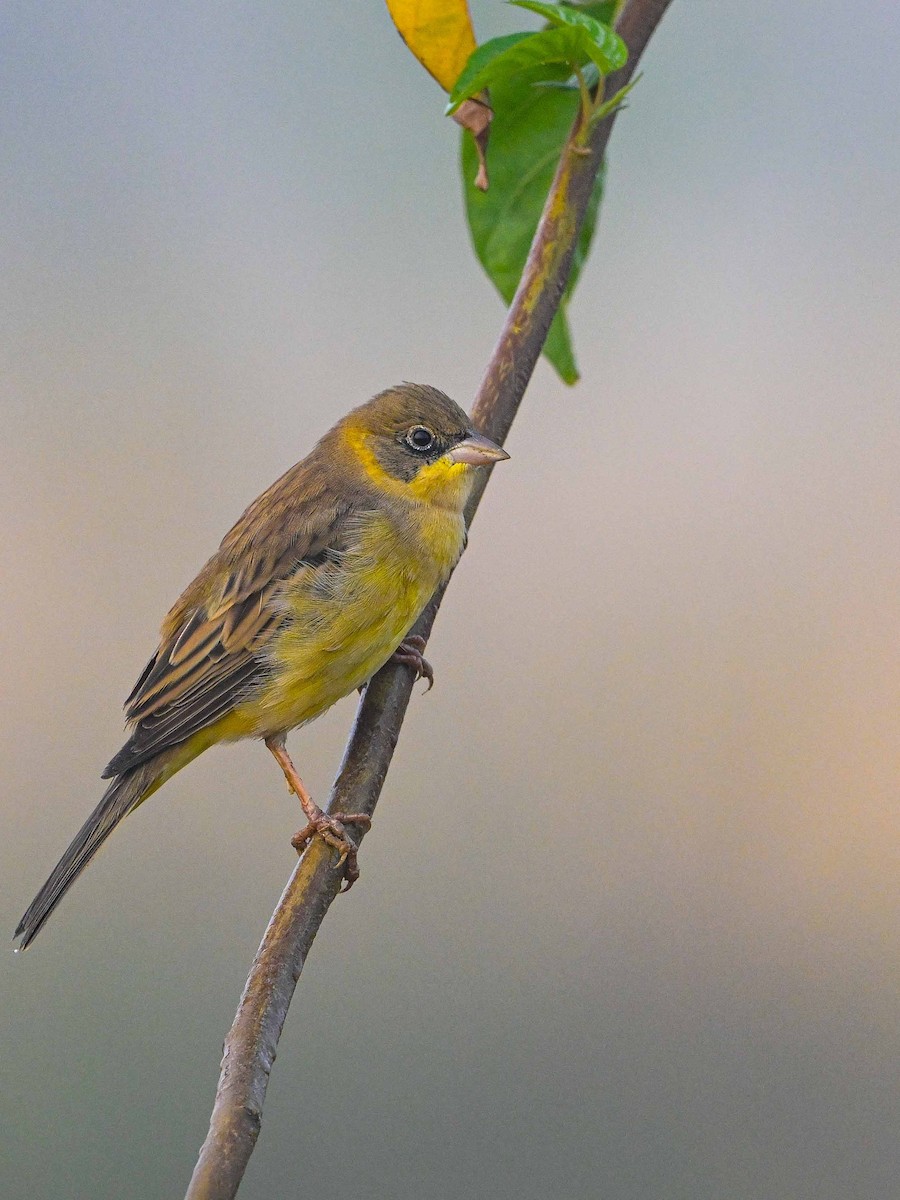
(627, 925)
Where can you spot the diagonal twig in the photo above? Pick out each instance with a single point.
(251, 1043)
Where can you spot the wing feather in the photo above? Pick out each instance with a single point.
(211, 654)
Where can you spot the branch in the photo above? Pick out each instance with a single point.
(251, 1043)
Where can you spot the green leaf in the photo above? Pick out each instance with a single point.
(600, 44)
(615, 101)
(478, 63)
(558, 348)
(550, 54)
(527, 135)
(605, 13)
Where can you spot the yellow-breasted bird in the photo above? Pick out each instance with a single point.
(308, 595)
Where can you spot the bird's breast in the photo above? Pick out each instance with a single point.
(346, 617)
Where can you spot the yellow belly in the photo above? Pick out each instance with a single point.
(347, 618)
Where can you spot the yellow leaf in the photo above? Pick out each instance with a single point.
(438, 32)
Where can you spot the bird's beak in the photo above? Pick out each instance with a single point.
(477, 451)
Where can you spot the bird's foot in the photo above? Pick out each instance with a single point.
(333, 832)
(409, 652)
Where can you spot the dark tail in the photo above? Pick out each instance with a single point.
(122, 796)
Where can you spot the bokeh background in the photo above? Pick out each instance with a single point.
(627, 923)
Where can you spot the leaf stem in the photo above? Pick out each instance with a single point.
(587, 101)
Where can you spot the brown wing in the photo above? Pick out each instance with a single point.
(210, 654)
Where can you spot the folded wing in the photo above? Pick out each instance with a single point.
(211, 655)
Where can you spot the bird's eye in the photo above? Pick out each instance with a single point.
(420, 438)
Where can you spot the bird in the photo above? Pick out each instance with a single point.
(312, 590)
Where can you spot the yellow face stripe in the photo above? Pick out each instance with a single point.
(358, 441)
(438, 482)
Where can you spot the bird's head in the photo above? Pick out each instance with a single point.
(412, 440)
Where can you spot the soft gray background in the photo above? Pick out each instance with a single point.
(627, 923)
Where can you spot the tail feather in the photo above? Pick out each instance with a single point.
(122, 796)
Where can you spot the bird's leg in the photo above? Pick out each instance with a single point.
(410, 652)
(332, 830)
